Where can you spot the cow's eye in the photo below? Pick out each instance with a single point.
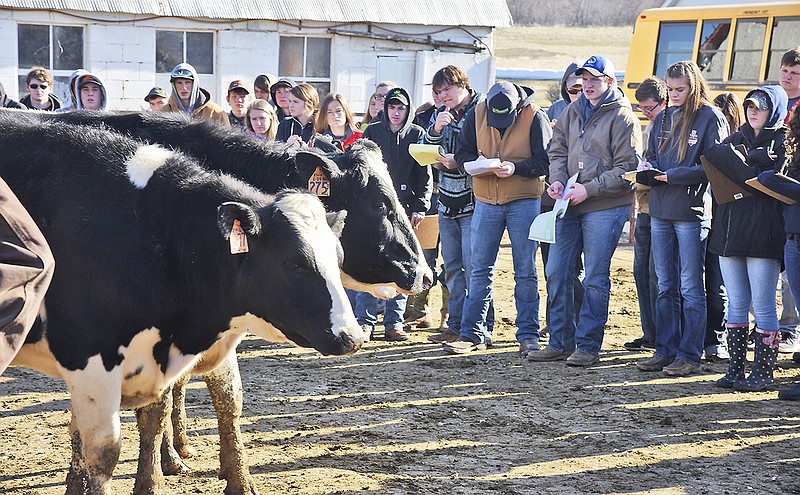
(380, 206)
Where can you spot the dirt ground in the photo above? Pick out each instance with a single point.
(405, 418)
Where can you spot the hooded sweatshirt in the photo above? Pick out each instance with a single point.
(752, 226)
(55, 103)
(599, 143)
(200, 105)
(6, 102)
(681, 198)
(413, 183)
(558, 106)
(290, 126)
(79, 78)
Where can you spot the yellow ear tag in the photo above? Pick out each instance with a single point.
(238, 239)
(319, 183)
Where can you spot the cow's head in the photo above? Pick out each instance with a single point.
(381, 253)
(289, 274)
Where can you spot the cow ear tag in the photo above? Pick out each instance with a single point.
(319, 183)
(238, 239)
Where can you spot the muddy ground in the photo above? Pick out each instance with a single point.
(405, 418)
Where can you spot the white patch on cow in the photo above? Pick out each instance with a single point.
(376, 163)
(38, 357)
(218, 353)
(144, 162)
(307, 214)
(381, 291)
(248, 323)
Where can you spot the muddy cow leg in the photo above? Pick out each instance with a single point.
(171, 462)
(77, 477)
(179, 430)
(225, 387)
(151, 421)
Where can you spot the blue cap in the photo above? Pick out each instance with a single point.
(597, 66)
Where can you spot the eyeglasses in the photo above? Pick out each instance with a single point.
(574, 91)
(650, 108)
(37, 86)
(378, 97)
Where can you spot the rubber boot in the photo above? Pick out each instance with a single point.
(766, 354)
(737, 348)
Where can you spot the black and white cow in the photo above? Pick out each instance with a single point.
(145, 280)
(381, 252)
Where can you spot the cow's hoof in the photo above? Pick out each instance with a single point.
(186, 451)
(245, 486)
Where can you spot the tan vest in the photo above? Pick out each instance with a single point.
(514, 146)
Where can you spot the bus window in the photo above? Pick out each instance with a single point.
(713, 45)
(675, 43)
(784, 38)
(748, 45)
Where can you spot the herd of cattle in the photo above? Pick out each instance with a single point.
(141, 212)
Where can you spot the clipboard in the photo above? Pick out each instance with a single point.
(769, 192)
(723, 188)
(425, 154)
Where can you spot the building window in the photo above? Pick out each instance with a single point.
(713, 45)
(748, 45)
(675, 43)
(175, 47)
(306, 60)
(59, 49)
(784, 38)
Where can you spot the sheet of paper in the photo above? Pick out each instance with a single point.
(543, 228)
(482, 165)
(425, 154)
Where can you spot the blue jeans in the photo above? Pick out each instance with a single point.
(680, 239)
(644, 274)
(366, 310)
(751, 279)
(596, 234)
(791, 258)
(716, 297)
(789, 319)
(486, 230)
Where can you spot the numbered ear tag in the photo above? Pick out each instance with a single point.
(238, 239)
(319, 183)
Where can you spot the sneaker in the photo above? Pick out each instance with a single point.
(444, 337)
(463, 346)
(488, 341)
(528, 345)
(655, 363)
(679, 367)
(547, 354)
(789, 343)
(395, 334)
(369, 330)
(639, 345)
(580, 358)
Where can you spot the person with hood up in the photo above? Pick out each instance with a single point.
(748, 235)
(597, 138)
(189, 98)
(507, 125)
(686, 129)
(413, 184)
(88, 92)
(6, 102)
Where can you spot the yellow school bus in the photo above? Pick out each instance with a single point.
(738, 47)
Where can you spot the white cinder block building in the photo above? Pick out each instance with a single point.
(345, 46)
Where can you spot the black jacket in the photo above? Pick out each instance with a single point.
(55, 103)
(290, 126)
(413, 183)
(751, 226)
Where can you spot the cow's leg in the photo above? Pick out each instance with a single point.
(151, 421)
(77, 477)
(171, 462)
(180, 437)
(225, 387)
(95, 428)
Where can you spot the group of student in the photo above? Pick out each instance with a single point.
(583, 146)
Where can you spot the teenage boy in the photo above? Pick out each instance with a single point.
(89, 92)
(156, 98)
(413, 183)
(597, 139)
(281, 91)
(510, 127)
(238, 99)
(189, 98)
(39, 84)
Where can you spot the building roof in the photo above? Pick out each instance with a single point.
(425, 12)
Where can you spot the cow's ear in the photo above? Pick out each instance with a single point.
(336, 221)
(227, 213)
(307, 162)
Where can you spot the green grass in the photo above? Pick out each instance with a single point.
(554, 47)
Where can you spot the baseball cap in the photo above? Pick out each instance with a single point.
(156, 91)
(759, 99)
(501, 105)
(237, 84)
(89, 78)
(397, 94)
(284, 81)
(573, 80)
(597, 66)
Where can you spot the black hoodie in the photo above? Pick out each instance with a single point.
(413, 183)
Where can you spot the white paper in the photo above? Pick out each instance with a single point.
(543, 228)
(482, 165)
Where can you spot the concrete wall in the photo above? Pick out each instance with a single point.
(123, 54)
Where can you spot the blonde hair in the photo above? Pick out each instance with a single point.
(321, 121)
(266, 107)
(683, 117)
